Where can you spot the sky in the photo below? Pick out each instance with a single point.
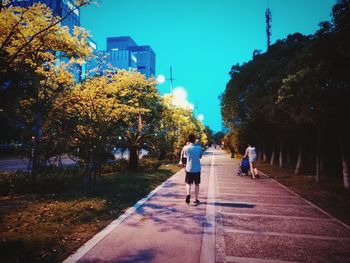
(201, 39)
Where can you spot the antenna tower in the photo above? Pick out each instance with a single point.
(268, 17)
(171, 80)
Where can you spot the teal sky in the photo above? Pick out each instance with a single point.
(202, 39)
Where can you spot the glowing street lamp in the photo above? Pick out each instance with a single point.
(160, 79)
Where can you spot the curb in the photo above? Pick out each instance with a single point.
(78, 254)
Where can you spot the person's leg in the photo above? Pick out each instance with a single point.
(255, 171)
(188, 181)
(196, 191)
(188, 189)
(252, 169)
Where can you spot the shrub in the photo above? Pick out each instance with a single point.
(118, 165)
(49, 180)
(14, 182)
(148, 163)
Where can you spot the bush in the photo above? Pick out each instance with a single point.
(49, 180)
(57, 180)
(14, 182)
(148, 163)
(118, 165)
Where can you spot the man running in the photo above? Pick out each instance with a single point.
(193, 168)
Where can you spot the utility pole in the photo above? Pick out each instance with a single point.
(268, 18)
(171, 81)
(171, 84)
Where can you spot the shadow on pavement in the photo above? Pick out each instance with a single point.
(139, 256)
(234, 205)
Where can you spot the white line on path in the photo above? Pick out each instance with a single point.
(99, 236)
(255, 260)
(318, 208)
(284, 196)
(279, 216)
(250, 232)
(208, 240)
(259, 204)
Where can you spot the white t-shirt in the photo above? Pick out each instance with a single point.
(183, 152)
(193, 153)
(251, 153)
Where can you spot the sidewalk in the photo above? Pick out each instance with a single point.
(238, 220)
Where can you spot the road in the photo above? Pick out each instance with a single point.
(238, 220)
(13, 164)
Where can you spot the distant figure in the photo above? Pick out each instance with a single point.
(183, 156)
(193, 168)
(232, 150)
(251, 153)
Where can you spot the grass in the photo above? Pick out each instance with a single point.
(327, 194)
(48, 228)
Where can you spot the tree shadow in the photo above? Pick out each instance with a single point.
(143, 255)
(226, 204)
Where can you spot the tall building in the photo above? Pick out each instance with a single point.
(116, 43)
(124, 53)
(59, 8)
(70, 12)
(145, 59)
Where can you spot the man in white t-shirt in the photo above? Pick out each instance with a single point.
(193, 168)
(183, 156)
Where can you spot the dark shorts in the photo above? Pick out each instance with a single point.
(193, 178)
(184, 160)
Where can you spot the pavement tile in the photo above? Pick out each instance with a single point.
(287, 225)
(287, 248)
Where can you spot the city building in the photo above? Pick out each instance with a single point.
(59, 8)
(145, 59)
(124, 53)
(71, 14)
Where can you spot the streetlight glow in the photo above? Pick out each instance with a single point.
(160, 79)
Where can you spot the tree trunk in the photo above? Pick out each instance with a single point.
(280, 156)
(344, 160)
(299, 160)
(133, 158)
(36, 147)
(346, 176)
(87, 179)
(288, 157)
(318, 147)
(259, 153)
(272, 160)
(264, 151)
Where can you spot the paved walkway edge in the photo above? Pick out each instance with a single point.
(313, 205)
(100, 235)
(208, 240)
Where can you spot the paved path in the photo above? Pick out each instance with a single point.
(238, 220)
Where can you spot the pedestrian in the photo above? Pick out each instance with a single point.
(251, 153)
(193, 168)
(183, 156)
(232, 150)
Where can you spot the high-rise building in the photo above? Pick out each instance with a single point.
(145, 59)
(116, 43)
(124, 53)
(59, 8)
(71, 14)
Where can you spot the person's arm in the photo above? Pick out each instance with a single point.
(181, 155)
(246, 153)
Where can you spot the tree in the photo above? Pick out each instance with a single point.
(29, 76)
